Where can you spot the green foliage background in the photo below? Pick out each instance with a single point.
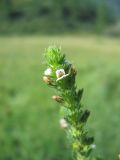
(29, 119)
(51, 16)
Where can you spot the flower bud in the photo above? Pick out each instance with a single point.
(57, 99)
(73, 70)
(93, 146)
(48, 72)
(46, 79)
(63, 123)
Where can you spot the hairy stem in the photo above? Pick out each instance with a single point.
(61, 75)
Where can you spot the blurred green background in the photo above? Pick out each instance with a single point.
(88, 32)
(58, 16)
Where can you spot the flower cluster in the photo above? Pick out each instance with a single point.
(60, 74)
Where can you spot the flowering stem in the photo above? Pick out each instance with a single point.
(61, 75)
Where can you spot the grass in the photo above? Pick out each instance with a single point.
(29, 119)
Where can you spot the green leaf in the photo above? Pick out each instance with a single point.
(87, 140)
(84, 116)
(54, 56)
(79, 94)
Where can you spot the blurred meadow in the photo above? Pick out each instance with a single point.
(29, 119)
(88, 32)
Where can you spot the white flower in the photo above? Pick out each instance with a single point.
(63, 123)
(60, 74)
(48, 72)
(93, 146)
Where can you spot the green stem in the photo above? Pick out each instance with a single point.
(74, 114)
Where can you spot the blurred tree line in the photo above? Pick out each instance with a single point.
(54, 15)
